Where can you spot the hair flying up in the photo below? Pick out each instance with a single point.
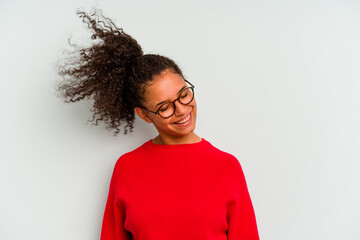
(113, 72)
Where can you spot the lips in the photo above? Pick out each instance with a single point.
(184, 120)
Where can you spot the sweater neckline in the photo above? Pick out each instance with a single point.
(170, 147)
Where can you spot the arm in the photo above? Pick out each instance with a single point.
(114, 214)
(241, 215)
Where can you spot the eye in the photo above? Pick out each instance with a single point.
(184, 94)
(164, 107)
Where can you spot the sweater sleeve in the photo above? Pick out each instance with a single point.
(114, 214)
(241, 215)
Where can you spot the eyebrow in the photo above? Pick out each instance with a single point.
(168, 100)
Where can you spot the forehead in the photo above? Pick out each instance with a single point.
(164, 87)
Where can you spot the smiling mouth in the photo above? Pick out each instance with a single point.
(184, 121)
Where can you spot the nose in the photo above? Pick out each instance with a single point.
(180, 109)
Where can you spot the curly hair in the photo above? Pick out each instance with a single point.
(113, 72)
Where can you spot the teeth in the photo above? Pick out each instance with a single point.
(185, 120)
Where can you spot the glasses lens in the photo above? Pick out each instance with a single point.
(186, 96)
(166, 110)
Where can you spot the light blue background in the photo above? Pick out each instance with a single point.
(277, 85)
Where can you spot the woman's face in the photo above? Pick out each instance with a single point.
(166, 87)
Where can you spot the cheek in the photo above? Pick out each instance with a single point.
(162, 122)
(194, 106)
(194, 102)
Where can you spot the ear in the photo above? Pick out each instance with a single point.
(142, 114)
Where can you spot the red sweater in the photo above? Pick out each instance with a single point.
(178, 192)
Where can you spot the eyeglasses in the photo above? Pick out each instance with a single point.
(167, 109)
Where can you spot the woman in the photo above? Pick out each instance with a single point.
(177, 185)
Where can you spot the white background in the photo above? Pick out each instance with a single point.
(276, 82)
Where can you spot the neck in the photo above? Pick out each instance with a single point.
(190, 138)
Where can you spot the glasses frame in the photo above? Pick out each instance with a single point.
(173, 102)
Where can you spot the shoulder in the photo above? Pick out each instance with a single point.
(126, 160)
(227, 158)
(230, 166)
(219, 152)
